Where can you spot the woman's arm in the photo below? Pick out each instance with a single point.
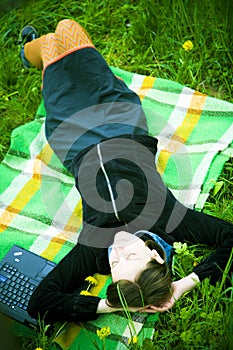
(178, 289)
(103, 307)
(200, 228)
(55, 297)
(196, 228)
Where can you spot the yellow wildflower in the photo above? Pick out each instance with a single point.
(133, 340)
(91, 280)
(103, 332)
(38, 349)
(85, 292)
(188, 45)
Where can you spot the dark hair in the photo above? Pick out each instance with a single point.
(151, 287)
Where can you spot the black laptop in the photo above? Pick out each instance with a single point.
(20, 272)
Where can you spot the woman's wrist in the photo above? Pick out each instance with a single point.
(188, 282)
(104, 307)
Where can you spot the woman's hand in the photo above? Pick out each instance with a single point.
(178, 289)
(104, 307)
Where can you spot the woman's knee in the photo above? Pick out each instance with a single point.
(66, 24)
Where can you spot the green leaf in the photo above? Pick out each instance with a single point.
(217, 187)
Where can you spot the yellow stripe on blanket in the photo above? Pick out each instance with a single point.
(28, 191)
(46, 154)
(102, 279)
(147, 84)
(183, 131)
(22, 198)
(69, 331)
(72, 227)
(67, 334)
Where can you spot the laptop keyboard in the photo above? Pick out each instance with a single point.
(15, 287)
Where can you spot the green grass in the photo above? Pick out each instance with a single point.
(143, 36)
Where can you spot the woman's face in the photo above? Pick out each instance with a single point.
(129, 256)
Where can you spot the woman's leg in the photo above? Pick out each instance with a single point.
(41, 51)
(68, 35)
(72, 34)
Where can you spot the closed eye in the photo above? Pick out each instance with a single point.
(114, 263)
(131, 256)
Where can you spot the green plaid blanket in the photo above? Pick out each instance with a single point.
(195, 140)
